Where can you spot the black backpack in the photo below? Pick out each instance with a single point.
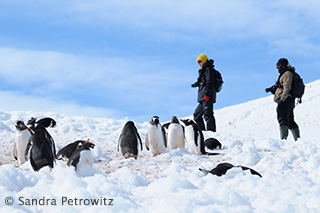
(297, 88)
(218, 82)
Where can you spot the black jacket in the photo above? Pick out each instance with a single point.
(206, 81)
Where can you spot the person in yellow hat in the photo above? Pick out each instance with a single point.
(206, 94)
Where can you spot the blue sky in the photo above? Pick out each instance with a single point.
(137, 59)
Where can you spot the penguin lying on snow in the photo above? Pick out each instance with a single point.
(222, 168)
(66, 152)
(155, 138)
(128, 141)
(81, 157)
(195, 139)
(22, 138)
(212, 143)
(175, 134)
(41, 151)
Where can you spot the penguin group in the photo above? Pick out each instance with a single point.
(35, 145)
(169, 136)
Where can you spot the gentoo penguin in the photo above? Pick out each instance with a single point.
(45, 123)
(222, 168)
(155, 138)
(128, 141)
(22, 138)
(81, 157)
(175, 132)
(42, 149)
(195, 139)
(212, 143)
(66, 152)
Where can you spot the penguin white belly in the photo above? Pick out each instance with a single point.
(156, 140)
(175, 137)
(85, 159)
(192, 147)
(22, 138)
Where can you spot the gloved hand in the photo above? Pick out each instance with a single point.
(206, 98)
(195, 84)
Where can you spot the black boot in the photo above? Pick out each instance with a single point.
(211, 124)
(284, 130)
(295, 133)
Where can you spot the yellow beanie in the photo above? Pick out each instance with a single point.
(202, 58)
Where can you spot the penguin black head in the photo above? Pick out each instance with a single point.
(155, 121)
(32, 123)
(85, 146)
(188, 122)
(89, 144)
(20, 125)
(174, 119)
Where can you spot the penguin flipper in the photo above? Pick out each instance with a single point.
(212, 153)
(147, 142)
(251, 170)
(204, 171)
(26, 153)
(74, 159)
(138, 136)
(15, 153)
(32, 162)
(164, 136)
(119, 142)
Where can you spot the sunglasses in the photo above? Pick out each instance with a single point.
(199, 62)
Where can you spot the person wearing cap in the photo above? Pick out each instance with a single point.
(284, 99)
(206, 94)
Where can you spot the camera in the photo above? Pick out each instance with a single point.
(272, 89)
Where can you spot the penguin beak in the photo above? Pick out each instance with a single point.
(87, 140)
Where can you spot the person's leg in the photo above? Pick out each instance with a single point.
(208, 115)
(293, 126)
(283, 115)
(197, 116)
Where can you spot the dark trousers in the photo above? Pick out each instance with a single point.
(205, 109)
(285, 113)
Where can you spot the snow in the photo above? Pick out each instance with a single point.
(172, 182)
